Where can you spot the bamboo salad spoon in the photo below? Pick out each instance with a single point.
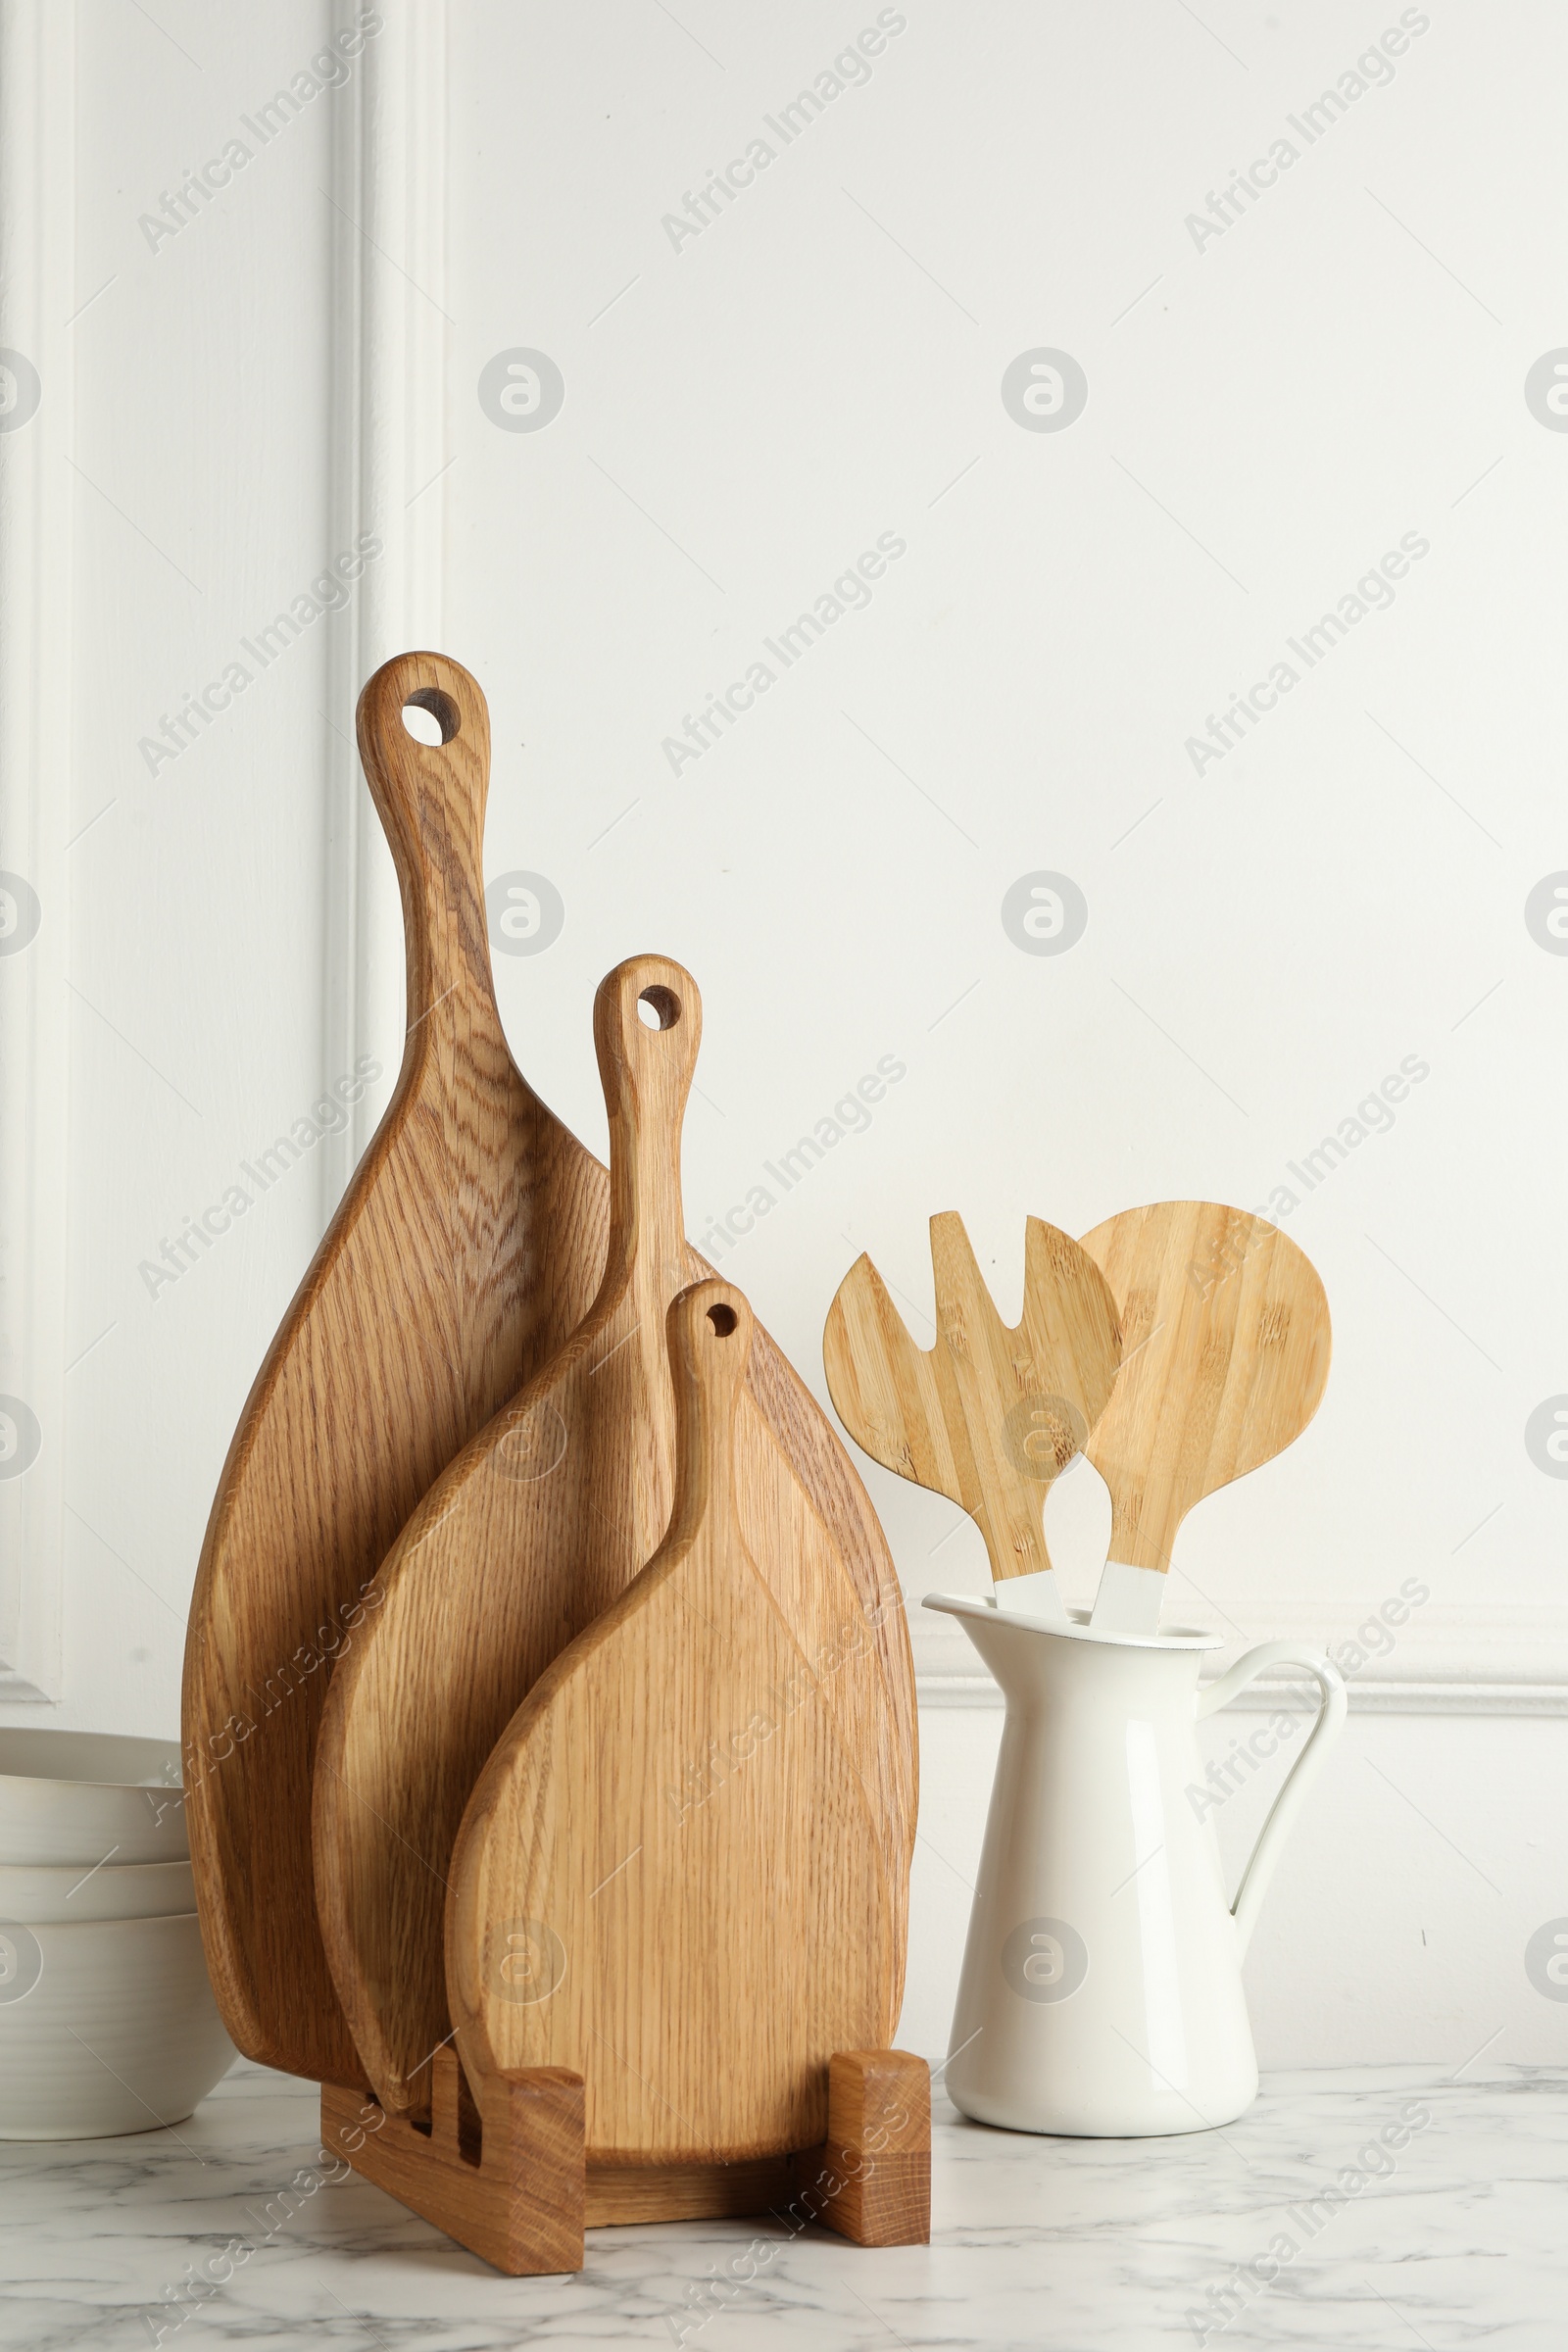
(1225, 1353)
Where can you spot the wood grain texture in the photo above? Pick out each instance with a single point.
(988, 1416)
(870, 2179)
(878, 2151)
(515, 2186)
(633, 2193)
(541, 1523)
(511, 2185)
(837, 1495)
(668, 1878)
(1226, 1342)
(466, 1248)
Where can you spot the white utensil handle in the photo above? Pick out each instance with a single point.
(1128, 1600)
(1282, 1813)
(1036, 1595)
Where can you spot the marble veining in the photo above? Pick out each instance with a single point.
(1453, 2237)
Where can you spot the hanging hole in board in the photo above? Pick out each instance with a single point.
(723, 1319)
(431, 717)
(659, 1009)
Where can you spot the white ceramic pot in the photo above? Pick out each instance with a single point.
(91, 1796)
(1101, 1993)
(68, 1891)
(105, 2028)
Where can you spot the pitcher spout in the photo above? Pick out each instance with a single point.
(1008, 1643)
(1019, 1646)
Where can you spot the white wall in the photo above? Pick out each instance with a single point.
(1268, 412)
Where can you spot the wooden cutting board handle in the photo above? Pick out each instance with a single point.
(710, 1333)
(431, 800)
(646, 1075)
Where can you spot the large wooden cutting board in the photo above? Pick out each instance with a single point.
(466, 1249)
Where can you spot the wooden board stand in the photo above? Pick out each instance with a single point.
(518, 2187)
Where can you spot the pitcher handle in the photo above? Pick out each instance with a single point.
(1330, 1722)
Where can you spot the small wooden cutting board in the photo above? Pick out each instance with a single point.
(668, 1878)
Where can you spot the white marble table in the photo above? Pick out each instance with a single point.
(1459, 2237)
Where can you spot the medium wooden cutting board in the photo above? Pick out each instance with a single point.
(467, 1249)
(541, 1523)
(696, 1943)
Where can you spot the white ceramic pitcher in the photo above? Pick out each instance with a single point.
(1102, 1987)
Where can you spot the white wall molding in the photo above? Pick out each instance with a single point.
(1440, 1661)
(37, 149)
(389, 455)
(1367, 1696)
